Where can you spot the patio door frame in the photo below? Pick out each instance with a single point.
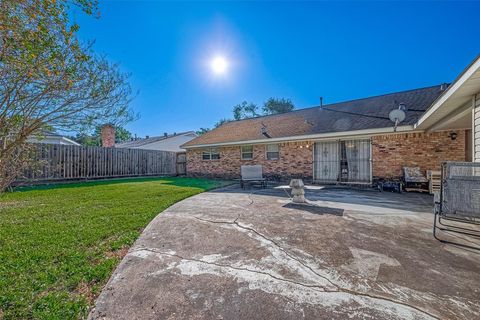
(339, 143)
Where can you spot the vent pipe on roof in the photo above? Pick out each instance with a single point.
(165, 134)
(321, 102)
(264, 131)
(443, 86)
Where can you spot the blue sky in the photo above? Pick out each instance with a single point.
(296, 50)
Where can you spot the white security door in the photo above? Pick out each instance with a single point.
(342, 161)
(326, 161)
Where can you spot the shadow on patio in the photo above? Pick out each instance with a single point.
(344, 198)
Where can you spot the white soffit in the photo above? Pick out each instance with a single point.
(456, 96)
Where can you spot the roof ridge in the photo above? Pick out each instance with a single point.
(142, 142)
(387, 94)
(337, 103)
(170, 135)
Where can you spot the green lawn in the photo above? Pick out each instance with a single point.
(59, 244)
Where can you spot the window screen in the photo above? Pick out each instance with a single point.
(211, 154)
(272, 151)
(247, 152)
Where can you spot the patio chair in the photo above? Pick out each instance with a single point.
(459, 201)
(414, 180)
(251, 174)
(434, 181)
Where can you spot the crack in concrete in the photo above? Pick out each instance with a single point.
(313, 287)
(273, 242)
(233, 267)
(339, 288)
(364, 294)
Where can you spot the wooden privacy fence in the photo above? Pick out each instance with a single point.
(181, 163)
(64, 162)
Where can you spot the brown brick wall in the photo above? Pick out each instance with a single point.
(389, 153)
(296, 160)
(425, 150)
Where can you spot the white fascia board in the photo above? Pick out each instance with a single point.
(449, 92)
(69, 141)
(320, 136)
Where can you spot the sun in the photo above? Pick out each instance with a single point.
(219, 65)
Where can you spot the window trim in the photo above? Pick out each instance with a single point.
(210, 153)
(242, 152)
(277, 152)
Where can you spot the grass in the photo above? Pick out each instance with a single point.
(60, 244)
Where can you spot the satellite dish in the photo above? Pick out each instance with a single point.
(396, 116)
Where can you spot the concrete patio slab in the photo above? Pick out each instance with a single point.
(235, 254)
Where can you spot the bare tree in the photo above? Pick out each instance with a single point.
(49, 80)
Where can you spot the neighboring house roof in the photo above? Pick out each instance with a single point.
(51, 138)
(354, 115)
(170, 142)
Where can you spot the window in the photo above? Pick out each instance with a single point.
(247, 152)
(272, 152)
(211, 154)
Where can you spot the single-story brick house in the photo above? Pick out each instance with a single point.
(352, 141)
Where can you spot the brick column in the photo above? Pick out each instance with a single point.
(476, 128)
(108, 136)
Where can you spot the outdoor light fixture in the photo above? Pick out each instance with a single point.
(453, 135)
(302, 145)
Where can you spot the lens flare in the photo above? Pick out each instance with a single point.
(219, 65)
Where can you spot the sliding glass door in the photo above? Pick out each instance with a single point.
(345, 161)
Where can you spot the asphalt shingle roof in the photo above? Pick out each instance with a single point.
(367, 113)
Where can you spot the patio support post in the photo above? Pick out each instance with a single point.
(476, 128)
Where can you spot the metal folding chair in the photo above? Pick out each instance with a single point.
(458, 208)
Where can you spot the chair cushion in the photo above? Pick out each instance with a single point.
(413, 174)
(253, 172)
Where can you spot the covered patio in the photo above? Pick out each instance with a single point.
(458, 108)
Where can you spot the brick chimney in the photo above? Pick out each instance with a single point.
(108, 136)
